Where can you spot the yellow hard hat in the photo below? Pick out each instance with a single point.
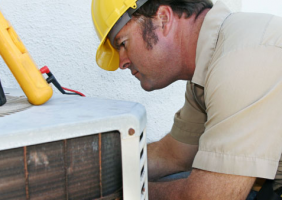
(109, 16)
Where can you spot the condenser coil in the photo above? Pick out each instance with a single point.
(72, 148)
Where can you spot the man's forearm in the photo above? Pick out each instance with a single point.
(169, 156)
(159, 166)
(203, 185)
(166, 190)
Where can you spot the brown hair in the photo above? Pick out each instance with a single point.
(180, 7)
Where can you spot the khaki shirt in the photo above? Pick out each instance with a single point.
(233, 106)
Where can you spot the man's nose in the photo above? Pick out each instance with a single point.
(124, 61)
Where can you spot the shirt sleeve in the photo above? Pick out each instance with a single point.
(190, 119)
(243, 95)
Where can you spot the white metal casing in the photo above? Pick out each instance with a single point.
(65, 117)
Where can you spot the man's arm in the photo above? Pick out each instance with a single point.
(169, 156)
(203, 185)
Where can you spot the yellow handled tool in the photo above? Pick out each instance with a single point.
(14, 53)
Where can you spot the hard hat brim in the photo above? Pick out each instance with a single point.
(107, 57)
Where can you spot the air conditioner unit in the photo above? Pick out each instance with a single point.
(72, 148)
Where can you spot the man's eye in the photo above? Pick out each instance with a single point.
(122, 44)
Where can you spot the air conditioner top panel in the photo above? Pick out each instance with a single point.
(69, 116)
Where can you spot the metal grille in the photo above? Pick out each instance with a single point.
(14, 104)
(81, 168)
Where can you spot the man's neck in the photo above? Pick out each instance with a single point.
(189, 34)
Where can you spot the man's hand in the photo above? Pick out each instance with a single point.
(203, 185)
(169, 156)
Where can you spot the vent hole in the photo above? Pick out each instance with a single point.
(143, 189)
(141, 154)
(142, 171)
(141, 136)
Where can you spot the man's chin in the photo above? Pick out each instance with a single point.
(147, 87)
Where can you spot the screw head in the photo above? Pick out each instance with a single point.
(131, 131)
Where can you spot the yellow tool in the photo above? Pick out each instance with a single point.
(14, 53)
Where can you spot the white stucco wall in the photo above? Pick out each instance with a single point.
(60, 34)
(233, 5)
(262, 6)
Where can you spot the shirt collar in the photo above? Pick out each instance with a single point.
(208, 39)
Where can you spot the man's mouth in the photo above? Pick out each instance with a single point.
(134, 73)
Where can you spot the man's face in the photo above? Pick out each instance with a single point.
(149, 61)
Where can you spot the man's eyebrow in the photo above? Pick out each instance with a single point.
(116, 42)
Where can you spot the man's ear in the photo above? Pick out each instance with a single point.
(165, 17)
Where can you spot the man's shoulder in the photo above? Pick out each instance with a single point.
(243, 30)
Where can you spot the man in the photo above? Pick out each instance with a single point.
(229, 130)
